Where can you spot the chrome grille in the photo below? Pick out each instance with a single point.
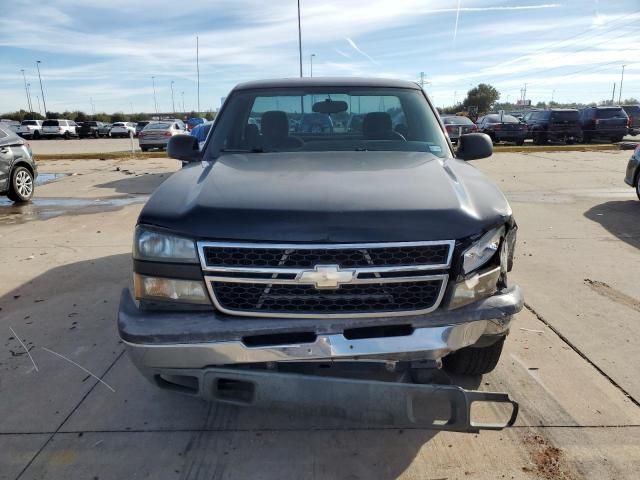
(326, 280)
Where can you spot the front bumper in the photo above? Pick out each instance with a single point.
(196, 340)
(217, 357)
(392, 403)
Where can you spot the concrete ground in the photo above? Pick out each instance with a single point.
(571, 360)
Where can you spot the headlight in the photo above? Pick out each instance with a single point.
(154, 245)
(169, 289)
(482, 250)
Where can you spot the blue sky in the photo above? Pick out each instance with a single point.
(107, 52)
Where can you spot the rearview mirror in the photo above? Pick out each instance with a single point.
(329, 106)
(473, 146)
(184, 147)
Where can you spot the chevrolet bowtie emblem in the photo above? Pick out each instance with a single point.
(326, 276)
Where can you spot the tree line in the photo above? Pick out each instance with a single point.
(80, 116)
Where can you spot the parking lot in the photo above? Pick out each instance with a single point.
(571, 360)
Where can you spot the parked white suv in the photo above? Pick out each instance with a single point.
(123, 129)
(30, 129)
(59, 128)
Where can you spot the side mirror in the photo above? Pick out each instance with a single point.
(473, 146)
(184, 147)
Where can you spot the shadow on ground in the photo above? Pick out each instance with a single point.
(620, 218)
(136, 183)
(71, 309)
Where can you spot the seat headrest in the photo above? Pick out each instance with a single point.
(275, 124)
(376, 124)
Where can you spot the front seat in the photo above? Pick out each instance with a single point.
(275, 131)
(377, 126)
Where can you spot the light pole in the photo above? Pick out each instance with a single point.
(39, 108)
(620, 89)
(44, 102)
(198, 69)
(183, 110)
(553, 94)
(155, 100)
(311, 64)
(29, 95)
(93, 107)
(299, 39)
(173, 103)
(26, 89)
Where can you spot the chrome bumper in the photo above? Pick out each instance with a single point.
(202, 339)
(425, 343)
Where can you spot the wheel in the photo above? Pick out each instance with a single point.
(616, 139)
(586, 138)
(21, 189)
(144, 149)
(520, 142)
(638, 186)
(36, 134)
(96, 134)
(472, 360)
(67, 135)
(538, 138)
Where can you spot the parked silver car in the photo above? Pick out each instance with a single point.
(157, 134)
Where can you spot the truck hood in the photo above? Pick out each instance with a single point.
(327, 197)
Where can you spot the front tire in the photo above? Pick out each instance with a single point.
(638, 186)
(36, 135)
(474, 360)
(520, 143)
(21, 189)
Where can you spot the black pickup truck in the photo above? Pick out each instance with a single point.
(90, 129)
(345, 271)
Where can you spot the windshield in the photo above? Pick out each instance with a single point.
(337, 119)
(610, 113)
(456, 121)
(571, 116)
(157, 126)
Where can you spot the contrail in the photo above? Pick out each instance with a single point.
(491, 9)
(357, 49)
(455, 30)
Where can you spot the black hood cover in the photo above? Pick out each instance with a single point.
(327, 197)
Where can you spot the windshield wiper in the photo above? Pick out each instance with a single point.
(242, 150)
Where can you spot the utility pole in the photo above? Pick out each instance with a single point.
(311, 64)
(553, 93)
(197, 70)
(299, 39)
(173, 103)
(524, 93)
(44, 102)
(155, 101)
(26, 90)
(620, 89)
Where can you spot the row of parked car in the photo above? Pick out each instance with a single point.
(553, 125)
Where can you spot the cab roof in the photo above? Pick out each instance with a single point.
(327, 82)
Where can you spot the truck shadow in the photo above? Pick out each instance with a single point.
(620, 218)
(74, 305)
(137, 184)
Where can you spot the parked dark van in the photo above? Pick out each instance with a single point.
(610, 123)
(561, 125)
